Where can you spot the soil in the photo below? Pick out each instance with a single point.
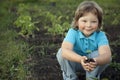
(46, 67)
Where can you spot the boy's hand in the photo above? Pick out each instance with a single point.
(84, 65)
(89, 64)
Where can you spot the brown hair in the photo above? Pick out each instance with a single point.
(85, 7)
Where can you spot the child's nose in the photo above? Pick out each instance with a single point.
(88, 24)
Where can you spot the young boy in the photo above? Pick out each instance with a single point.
(85, 46)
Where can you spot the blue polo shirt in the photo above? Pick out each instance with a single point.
(85, 45)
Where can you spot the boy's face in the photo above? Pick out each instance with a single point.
(88, 24)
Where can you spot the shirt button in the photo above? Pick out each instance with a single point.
(86, 39)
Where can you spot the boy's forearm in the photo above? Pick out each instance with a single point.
(103, 59)
(71, 55)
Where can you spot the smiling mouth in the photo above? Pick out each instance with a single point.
(88, 29)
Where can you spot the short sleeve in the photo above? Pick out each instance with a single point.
(102, 39)
(70, 37)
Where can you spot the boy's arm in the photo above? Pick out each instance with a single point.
(104, 55)
(69, 54)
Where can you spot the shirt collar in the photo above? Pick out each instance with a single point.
(92, 37)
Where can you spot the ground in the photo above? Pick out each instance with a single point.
(47, 68)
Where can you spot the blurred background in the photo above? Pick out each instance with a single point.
(31, 32)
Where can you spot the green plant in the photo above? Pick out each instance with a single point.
(24, 22)
(57, 27)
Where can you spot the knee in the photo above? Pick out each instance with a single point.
(59, 56)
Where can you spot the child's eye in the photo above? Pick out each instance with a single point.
(84, 21)
(94, 21)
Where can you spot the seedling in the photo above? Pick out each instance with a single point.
(89, 60)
